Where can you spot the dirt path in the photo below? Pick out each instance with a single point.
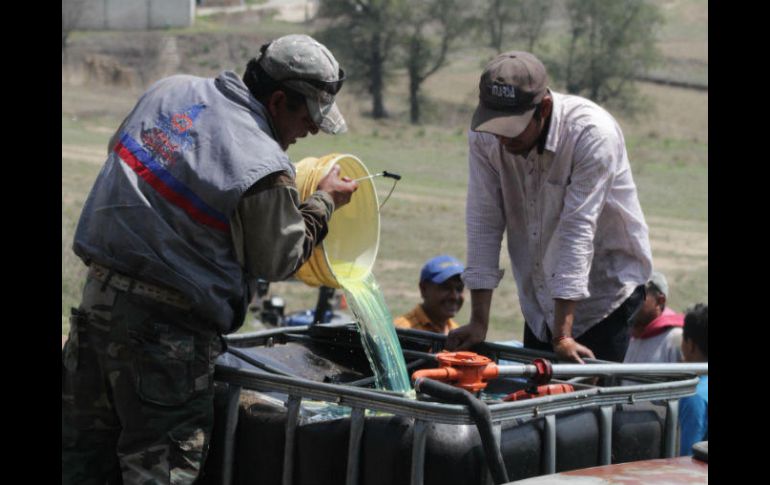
(84, 153)
(678, 246)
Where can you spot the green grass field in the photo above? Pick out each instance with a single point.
(668, 149)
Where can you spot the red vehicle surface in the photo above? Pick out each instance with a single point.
(671, 471)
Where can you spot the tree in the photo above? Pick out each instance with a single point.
(433, 25)
(362, 34)
(515, 19)
(611, 42)
(529, 24)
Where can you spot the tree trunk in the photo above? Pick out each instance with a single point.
(414, 93)
(496, 24)
(376, 61)
(595, 81)
(570, 81)
(413, 69)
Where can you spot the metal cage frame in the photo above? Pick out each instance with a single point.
(669, 390)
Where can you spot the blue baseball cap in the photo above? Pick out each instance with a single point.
(440, 269)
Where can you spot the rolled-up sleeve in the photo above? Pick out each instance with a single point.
(273, 233)
(597, 155)
(484, 217)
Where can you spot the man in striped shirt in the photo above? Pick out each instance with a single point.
(551, 172)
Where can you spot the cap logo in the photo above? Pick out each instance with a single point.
(505, 97)
(503, 91)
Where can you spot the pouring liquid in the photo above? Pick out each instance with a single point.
(375, 324)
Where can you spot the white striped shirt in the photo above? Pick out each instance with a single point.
(573, 220)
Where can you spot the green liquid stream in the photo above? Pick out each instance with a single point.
(375, 326)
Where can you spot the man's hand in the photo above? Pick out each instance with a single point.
(465, 337)
(476, 331)
(564, 345)
(569, 348)
(340, 189)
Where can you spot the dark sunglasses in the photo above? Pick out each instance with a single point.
(331, 87)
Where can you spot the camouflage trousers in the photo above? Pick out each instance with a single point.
(137, 391)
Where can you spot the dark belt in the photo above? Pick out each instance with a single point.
(137, 287)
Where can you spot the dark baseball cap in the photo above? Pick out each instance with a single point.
(441, 268)
(511, 87)
(308, 67)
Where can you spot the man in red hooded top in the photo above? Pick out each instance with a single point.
(656, 334)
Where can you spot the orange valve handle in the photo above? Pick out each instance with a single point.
(544, 372)
(467, 370)
(544, 390)
(471, 371)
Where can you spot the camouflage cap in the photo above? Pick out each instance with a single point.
(308, 67)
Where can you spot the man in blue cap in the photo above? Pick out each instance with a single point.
(441, 288)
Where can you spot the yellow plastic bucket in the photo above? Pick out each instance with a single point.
(350, 246)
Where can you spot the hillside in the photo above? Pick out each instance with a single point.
(104, 72)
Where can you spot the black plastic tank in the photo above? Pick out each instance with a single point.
(453, 453)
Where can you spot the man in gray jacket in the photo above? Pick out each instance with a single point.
(195, 201)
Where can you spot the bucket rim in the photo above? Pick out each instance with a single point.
(330, 164)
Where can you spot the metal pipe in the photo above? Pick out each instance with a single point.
(497, 432)
(368, 177)
(231, 423)
(419, 438)
(397, 403)
(672, 424)
(257, 338)
(577, 370)
(549, 445)
(605, 434)
(292, 416)
(354, 445)
(380, 174)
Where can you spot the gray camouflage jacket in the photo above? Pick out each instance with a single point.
(163, 205)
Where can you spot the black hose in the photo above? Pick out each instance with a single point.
(481, 416)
